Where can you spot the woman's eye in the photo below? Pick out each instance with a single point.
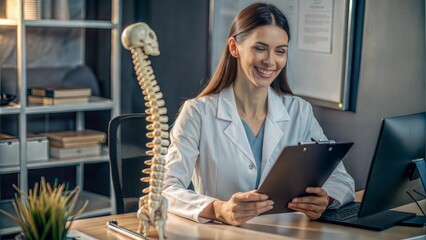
(281, 51)
(259, 48)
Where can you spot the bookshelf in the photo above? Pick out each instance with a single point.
(86, 172)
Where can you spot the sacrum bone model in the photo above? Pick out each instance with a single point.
(141, 40)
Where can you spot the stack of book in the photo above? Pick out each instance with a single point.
(75, 144)
(54, 95)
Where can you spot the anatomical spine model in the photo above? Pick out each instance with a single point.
(141, 40)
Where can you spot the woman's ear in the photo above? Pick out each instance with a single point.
(232, 45)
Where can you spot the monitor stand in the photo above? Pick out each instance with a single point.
(380, 221)
(417, 170)
(418, 221)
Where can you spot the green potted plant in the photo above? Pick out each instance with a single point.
(46, 212)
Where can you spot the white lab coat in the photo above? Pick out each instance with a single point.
(209, 145)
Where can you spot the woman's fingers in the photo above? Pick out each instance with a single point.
(243, 206)
(250, 196)
(246, 206)
(251, 201)
(310, 214)
(320, 197)
(306, 207)
(312, 206)
(255, 206)
(317, 190)
(243, 216)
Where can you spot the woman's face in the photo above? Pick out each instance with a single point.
(261, 55)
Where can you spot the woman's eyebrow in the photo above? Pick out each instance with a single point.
(267, 45)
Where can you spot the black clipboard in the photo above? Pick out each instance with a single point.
(298, 167)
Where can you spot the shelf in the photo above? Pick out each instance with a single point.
(8, 22)
(95, 103)
(12, 108)
(7, 226)
(60, 23)
(70, 23)
(22, 118)
(98, 204)
(9, 169)
(53, 162)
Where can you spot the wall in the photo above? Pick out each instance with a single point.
(182, 31)
(392, 79)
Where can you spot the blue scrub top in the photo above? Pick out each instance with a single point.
(256, 144)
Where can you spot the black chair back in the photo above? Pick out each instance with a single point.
(126, 141)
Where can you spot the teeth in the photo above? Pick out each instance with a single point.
(266, 72)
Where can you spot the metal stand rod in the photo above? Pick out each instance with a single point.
(113, 225)
(421, 167)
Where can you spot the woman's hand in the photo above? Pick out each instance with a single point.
(311, 206)
(241, 207)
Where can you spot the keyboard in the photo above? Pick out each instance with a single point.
(346, 212)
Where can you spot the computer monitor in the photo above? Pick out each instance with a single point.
(398, 162)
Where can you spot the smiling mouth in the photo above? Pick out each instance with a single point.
(263, 72)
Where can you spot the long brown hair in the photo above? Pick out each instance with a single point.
(251, 17)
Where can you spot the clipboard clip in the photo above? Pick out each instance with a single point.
(314, 141)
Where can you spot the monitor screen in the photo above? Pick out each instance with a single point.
(401, 140)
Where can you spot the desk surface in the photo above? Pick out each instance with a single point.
(278, 226)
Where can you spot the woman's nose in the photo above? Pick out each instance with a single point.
(268, 59)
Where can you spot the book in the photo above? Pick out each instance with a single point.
(36, 100)
(87, 151)
(4, 136)
(77, 136)
(61, 144)
(60, 92)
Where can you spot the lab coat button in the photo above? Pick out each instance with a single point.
(251, 166)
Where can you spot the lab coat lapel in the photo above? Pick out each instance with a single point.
(274, 130)
(235, 131)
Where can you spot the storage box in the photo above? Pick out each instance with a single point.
(9, 150)
(63, 153)
(37, 149)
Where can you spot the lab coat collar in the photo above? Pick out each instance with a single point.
(277, 112)
(227, 107)
(276, 108)
(276, 125)
(227, 110)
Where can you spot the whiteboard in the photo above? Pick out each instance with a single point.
(320, 48)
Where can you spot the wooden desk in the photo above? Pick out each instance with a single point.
(279, 226)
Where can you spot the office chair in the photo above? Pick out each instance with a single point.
(126, 141)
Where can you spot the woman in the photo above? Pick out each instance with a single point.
(228, 138)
